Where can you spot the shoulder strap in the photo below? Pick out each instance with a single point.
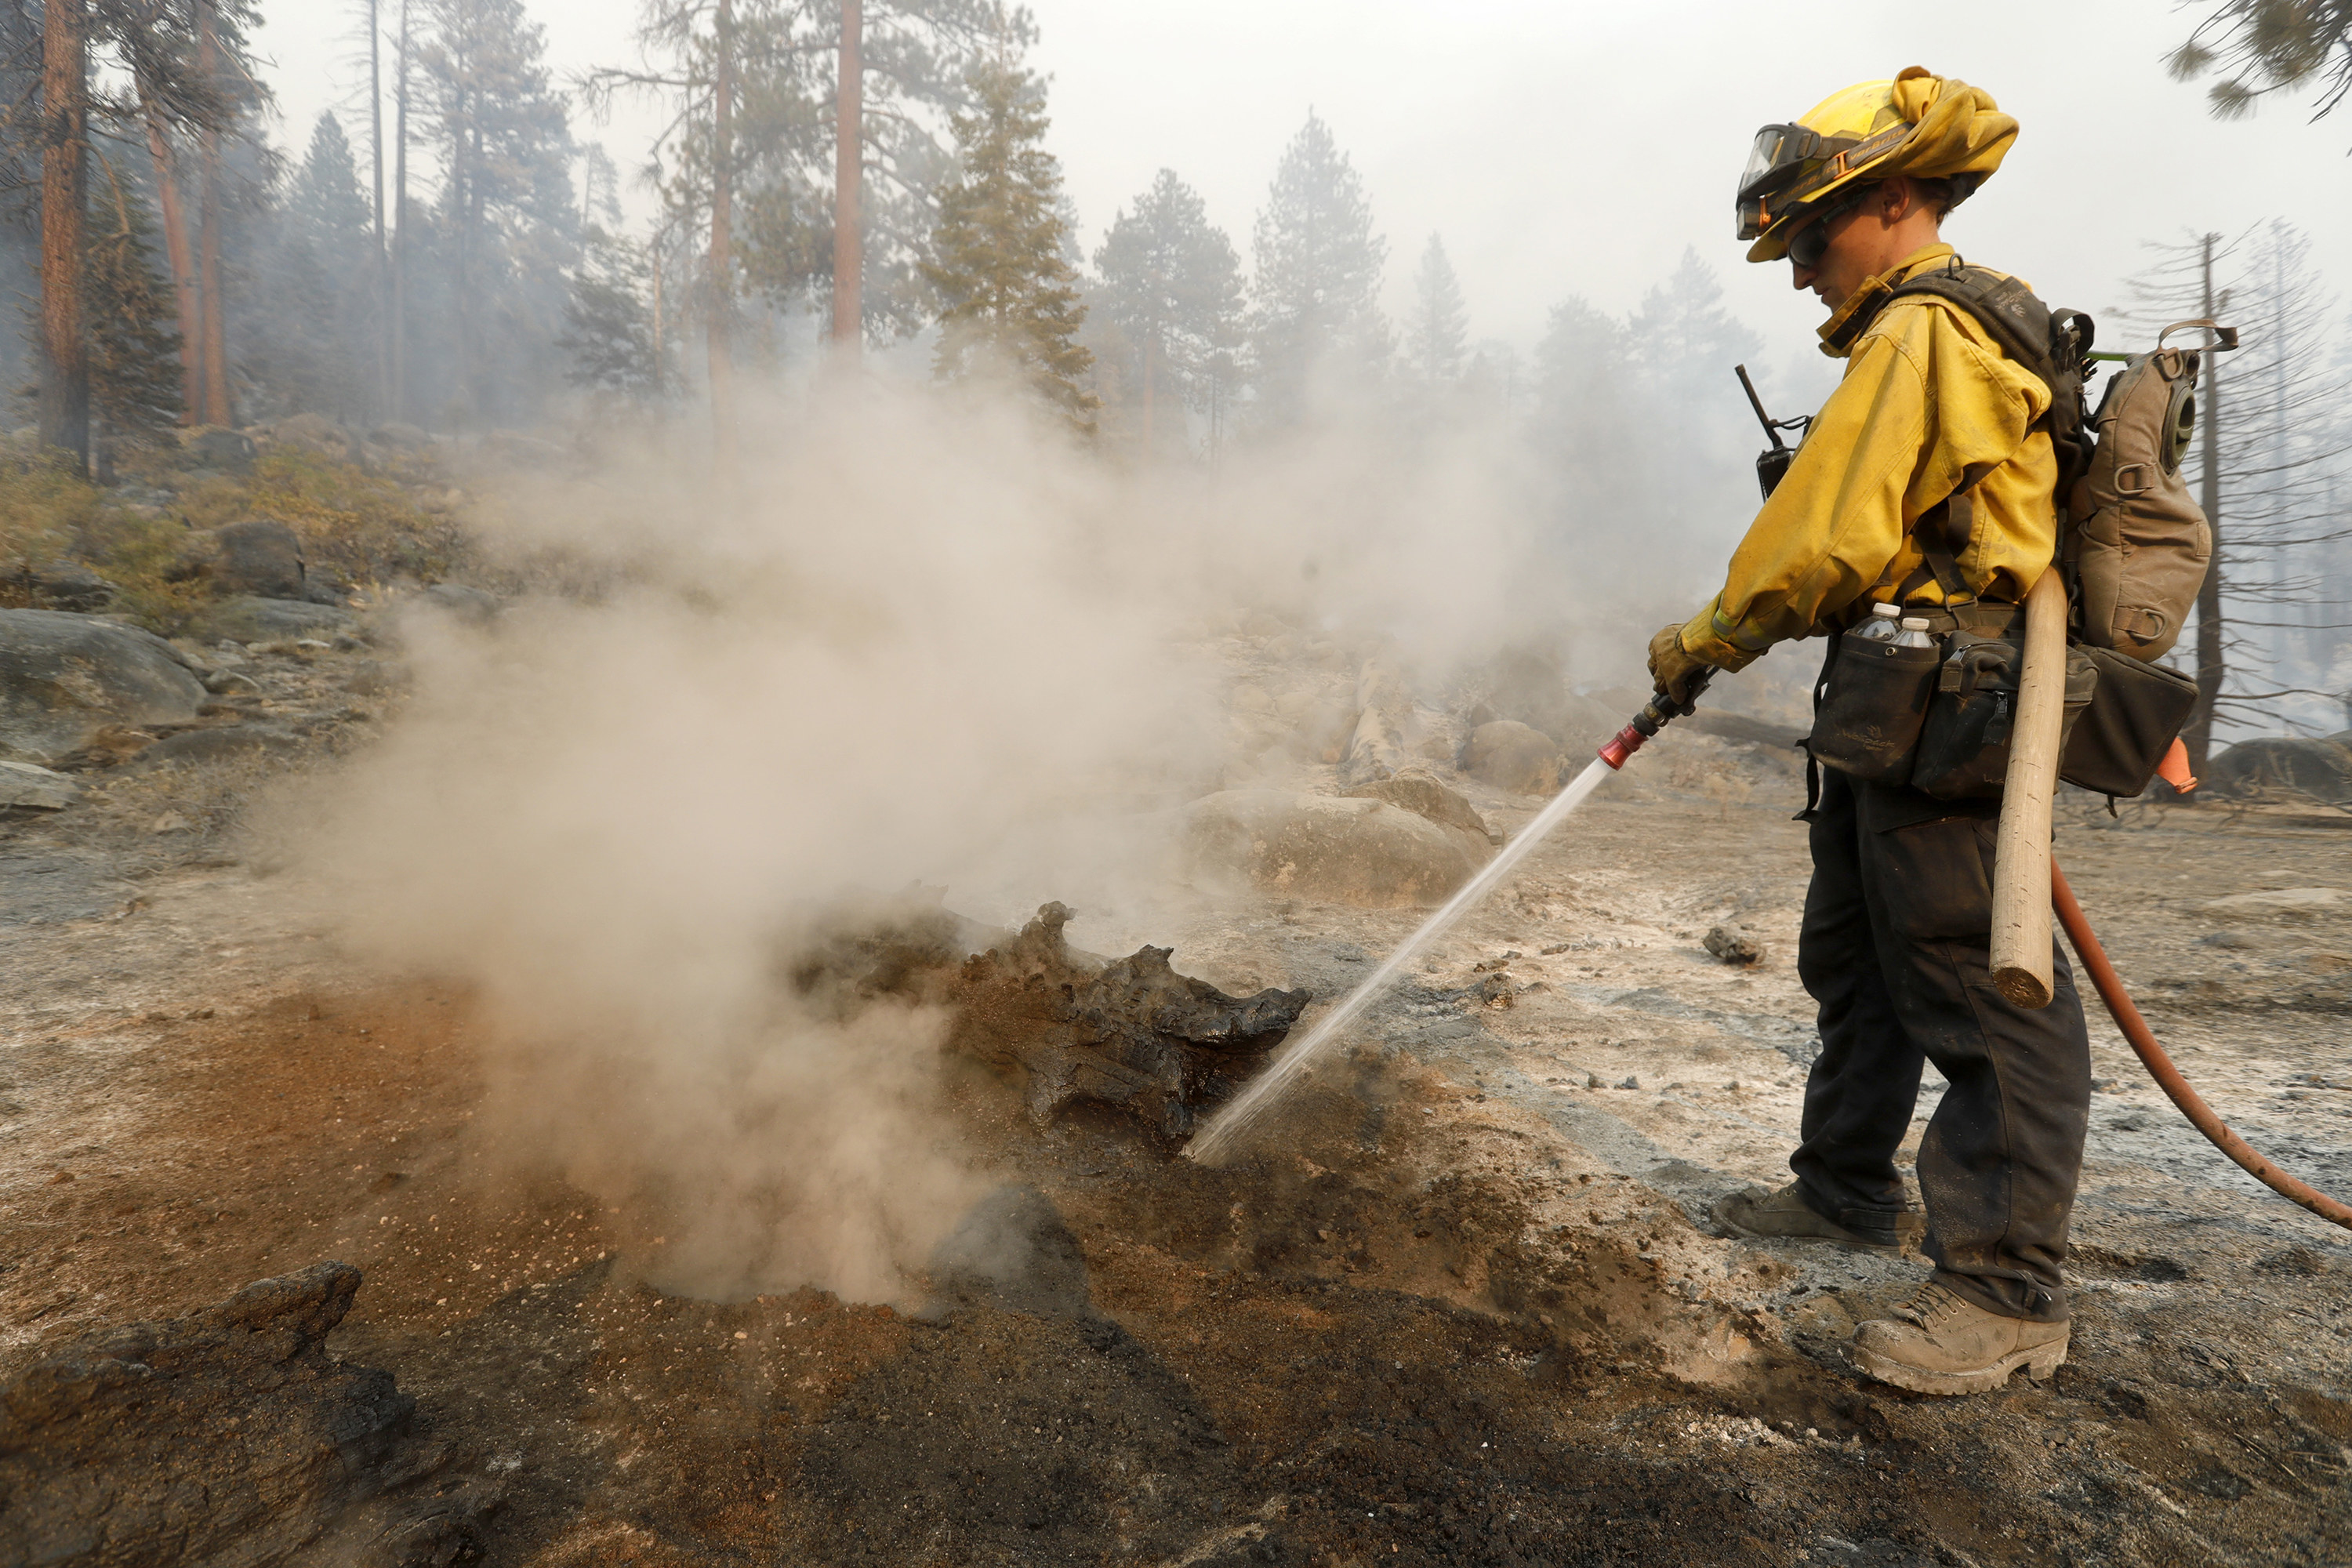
(2010, 312)
(2052, 346)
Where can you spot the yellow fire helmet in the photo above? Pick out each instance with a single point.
(1926, 126)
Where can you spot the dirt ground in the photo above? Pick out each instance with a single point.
(1465, 1308)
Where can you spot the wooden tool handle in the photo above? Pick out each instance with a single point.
(2021, 944)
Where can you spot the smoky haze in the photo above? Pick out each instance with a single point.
(617, 812)
(1578, 149)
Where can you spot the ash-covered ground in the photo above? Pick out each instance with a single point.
(1461, 1306)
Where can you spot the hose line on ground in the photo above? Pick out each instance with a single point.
(2159, 1066)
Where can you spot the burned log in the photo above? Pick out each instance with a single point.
(1131, 1033)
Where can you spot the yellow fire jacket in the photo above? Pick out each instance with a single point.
(1926, 399)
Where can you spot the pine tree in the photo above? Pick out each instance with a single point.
(1171, 285)
(1585, 420)
(1685, 336)
(79, 44)
(599, 190)
(608, 325)
(1318, 276)
(308, 293)
(507, 205)
(1435, 336)
(2265, 46)
(324, 200)
(134, 335)
(1006, 290)
(910, 60)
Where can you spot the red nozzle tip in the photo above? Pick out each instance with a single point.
(1627, 742)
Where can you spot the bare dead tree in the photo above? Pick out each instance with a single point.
(2271, 446)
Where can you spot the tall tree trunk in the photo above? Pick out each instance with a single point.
(1150, 342)
(396, 330)
(182, 265)
(216, 352)
(848, 183)
(65, 154)
(459, 196)
(2198, 734)
(375, 153)
(720, 320)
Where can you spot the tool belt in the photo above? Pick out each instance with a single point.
(1937, 719)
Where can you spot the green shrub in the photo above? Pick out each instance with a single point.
(45, 506)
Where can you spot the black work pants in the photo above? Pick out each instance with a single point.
(1895, 948)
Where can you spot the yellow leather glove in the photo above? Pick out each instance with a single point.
(1672, 665)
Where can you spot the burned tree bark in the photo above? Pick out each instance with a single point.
(216, 403)
(2197, 735)
(184, 268)
(65, 175)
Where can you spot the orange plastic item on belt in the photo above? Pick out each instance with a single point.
(2159, 1066)
(2174, 769)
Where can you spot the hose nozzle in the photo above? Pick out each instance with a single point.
(1652, 719)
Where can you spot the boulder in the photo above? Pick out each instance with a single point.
(1363, 852)
(25, 787)
(315, 433)
(400, 438)
(217, 446)
(190, 747)
(1740, 729)
(1514, 756)
(257, 557)
(1383, 707)
(248, 619)
(66, 679)
(1424, 796)
(61, 586)
(2319, 769)
(228, 1435)
(1532, 688)
(470, 606)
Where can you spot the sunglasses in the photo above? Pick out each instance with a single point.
(1810, 244)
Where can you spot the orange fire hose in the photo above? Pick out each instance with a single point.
(2160, 1068)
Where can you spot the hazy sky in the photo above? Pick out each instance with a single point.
(1565, 149)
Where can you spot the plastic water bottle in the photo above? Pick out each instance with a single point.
(1884, 624)
(1915, 633)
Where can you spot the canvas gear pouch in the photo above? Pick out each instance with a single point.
(2131, 723)
(1963, 750)
(2137, 545)
(1869, 705)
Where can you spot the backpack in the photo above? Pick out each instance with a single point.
(2133, 545)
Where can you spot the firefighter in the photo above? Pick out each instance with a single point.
(1898, 919)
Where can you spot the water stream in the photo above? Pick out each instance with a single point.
(1258, 1099)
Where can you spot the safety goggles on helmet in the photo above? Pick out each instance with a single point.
(1789, 163)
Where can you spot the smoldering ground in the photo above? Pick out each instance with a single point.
(917, 640)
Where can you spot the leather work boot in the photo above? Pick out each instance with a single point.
(1784, 1217)
(1937, 1342)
